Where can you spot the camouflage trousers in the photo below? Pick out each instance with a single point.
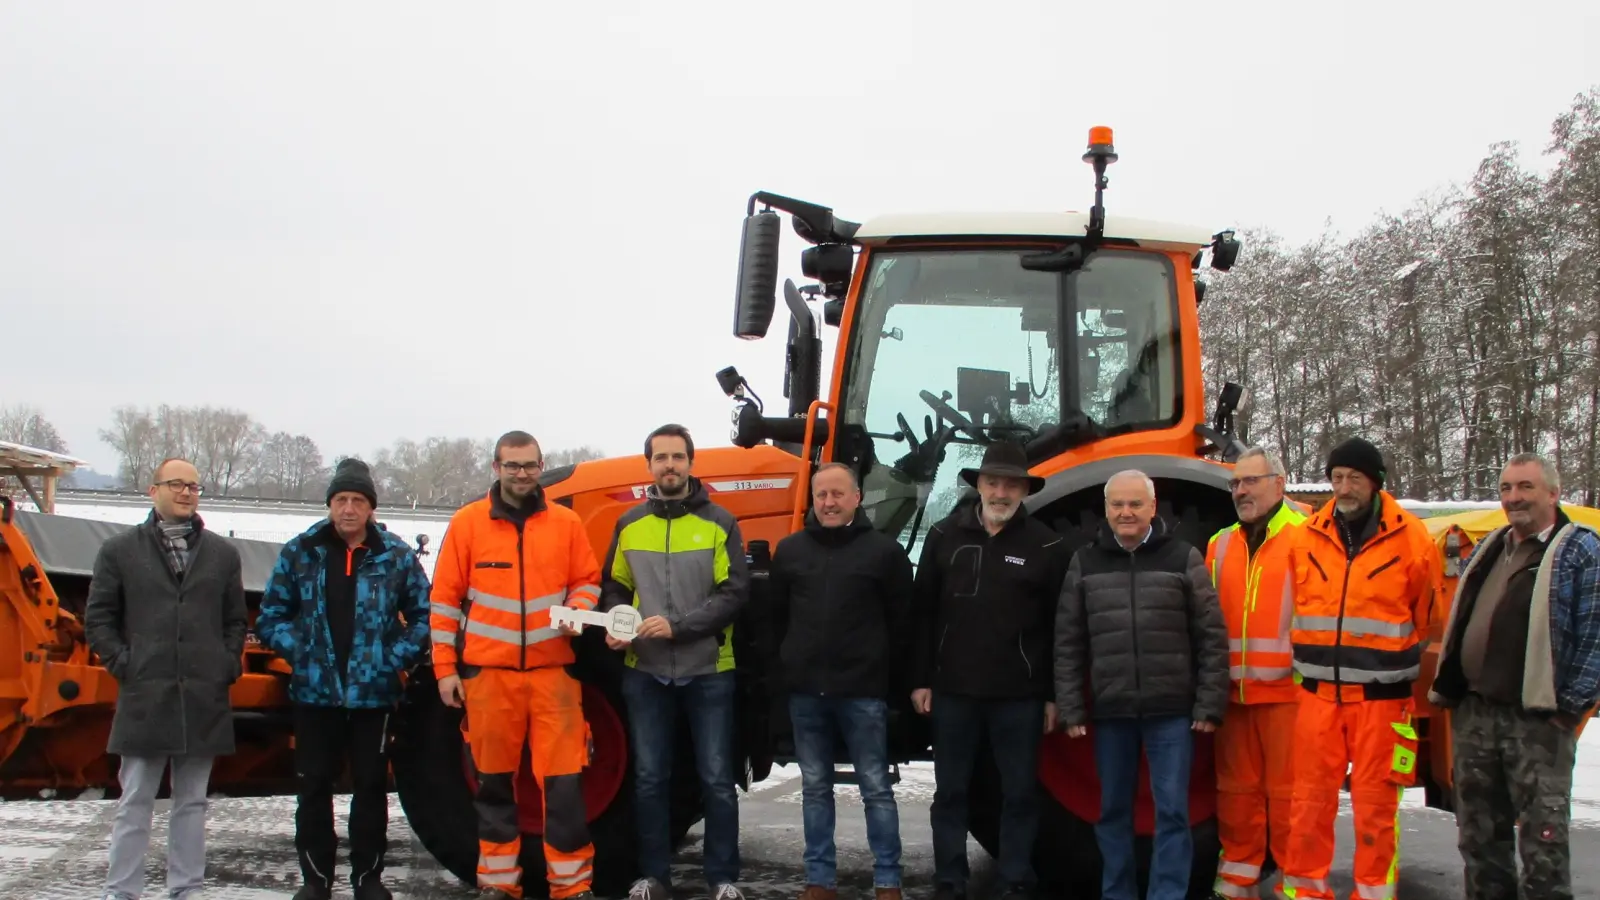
(1513, 792)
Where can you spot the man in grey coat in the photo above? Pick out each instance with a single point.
(166, 615)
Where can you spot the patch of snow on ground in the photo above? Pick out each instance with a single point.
(1586, 776)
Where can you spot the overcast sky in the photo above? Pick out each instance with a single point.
(371, 221)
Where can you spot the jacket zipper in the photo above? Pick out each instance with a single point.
(827, 608)
(1374, 573)
(672, 650)
(1133, 616)
(1025, 660)
(1252, 585)
(522, 595)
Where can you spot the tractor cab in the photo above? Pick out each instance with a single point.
(1067, 332)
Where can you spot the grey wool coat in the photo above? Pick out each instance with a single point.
(173, 647)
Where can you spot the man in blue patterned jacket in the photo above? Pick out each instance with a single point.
(332, 609)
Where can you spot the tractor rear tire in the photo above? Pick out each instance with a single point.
(427, 763)
(1066, 857)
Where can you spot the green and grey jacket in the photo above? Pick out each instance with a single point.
(682, 559)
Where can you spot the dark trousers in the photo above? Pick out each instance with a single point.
(1014, 728)
(863, 723)
(652, 721)
(325, 739)
(1168, 743)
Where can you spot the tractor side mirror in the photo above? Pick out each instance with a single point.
(756, 295)
(1225, 250)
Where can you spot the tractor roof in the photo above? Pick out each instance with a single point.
(1147, 232)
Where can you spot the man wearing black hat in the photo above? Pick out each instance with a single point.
(1366, 575)
(329, 610)
(985, 596)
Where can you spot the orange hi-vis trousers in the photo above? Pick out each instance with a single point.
(1377, 741)
(543, 708)
(1255, 783)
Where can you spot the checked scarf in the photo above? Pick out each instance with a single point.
(176, 535)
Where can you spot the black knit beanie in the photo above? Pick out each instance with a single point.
(353, 475)
(1360, 455)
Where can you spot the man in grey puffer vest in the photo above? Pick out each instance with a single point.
(1140, 621)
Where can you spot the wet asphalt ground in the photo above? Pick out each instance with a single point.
(56, 850)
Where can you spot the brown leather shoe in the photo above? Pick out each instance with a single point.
(886, 893)
(813, 892)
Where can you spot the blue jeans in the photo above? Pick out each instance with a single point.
(1014, 728)
(863, 723)
(708, 700)
(1169, 749)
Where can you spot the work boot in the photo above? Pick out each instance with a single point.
(314, 890)
(817, 892)
(883, 893)
(492, 893)
(1017, 892)
(371, 888)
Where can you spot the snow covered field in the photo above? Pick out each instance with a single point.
(261, 525)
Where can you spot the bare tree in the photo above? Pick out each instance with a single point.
(26, 425)
(138, 443)
(571, 456)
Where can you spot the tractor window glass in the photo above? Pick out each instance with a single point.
(953, 349)
(1127, 340)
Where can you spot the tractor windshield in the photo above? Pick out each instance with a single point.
(956, 348)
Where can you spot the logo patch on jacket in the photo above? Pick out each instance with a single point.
(1016, 560)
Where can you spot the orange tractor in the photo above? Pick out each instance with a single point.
(1074, 333)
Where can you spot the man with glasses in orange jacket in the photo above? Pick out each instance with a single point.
(1249, 564)
(505, 561)
(1366, 574)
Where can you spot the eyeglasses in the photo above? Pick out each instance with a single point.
(1246, 481)
(179, 487)
(517, 468)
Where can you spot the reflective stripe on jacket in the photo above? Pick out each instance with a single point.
(682, 559)
(502, 579)
(1361, 619)
(1257, 595)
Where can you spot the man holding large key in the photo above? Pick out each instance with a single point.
(677, 560)
(508, 562)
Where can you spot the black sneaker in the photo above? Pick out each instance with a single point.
(948, 892)
(649, 889)
(314, 890)
(1018, 892)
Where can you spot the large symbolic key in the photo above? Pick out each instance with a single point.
(621, 622)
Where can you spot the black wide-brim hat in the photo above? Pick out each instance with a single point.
(1005, 458)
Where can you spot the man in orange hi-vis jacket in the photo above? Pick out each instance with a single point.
(1366, 575)
(505, 561)
(1249, 564)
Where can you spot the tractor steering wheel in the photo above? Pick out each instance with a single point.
(948, 412)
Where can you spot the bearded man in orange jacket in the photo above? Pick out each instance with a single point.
(505, 562)
(1366, 574)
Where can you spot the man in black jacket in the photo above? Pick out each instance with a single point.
(841, 605)
(986, 592)
(1140, 624)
